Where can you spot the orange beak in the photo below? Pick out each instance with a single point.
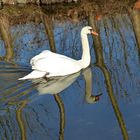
(94, 33)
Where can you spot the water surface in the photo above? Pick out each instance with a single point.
(64, 107)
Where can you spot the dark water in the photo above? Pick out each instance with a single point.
(32, 110)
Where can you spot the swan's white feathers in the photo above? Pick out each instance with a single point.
(51, 64)
(54, 64)
(41, 55)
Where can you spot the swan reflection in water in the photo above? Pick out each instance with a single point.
(52, 86)
(58, 84)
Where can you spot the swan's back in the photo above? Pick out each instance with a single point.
(55, 64)
(51, 64)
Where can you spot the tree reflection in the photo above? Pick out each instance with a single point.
(62, 116)
(20, 120)
(6, 22)
(6, 36)
(135, 16)
(20, 100)
(115, 52)
(49, 30)
(100, 63)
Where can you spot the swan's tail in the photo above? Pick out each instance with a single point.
(33, 75)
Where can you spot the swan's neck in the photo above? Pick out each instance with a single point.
(85, 60)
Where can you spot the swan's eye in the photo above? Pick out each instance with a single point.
(91, 30)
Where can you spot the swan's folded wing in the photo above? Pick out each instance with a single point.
(57, 64)
(43, 54)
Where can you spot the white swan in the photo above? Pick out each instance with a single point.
(49, 64)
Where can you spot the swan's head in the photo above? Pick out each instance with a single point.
(88, 30)
(93, 98)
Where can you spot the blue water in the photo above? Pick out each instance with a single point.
(40, 118)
